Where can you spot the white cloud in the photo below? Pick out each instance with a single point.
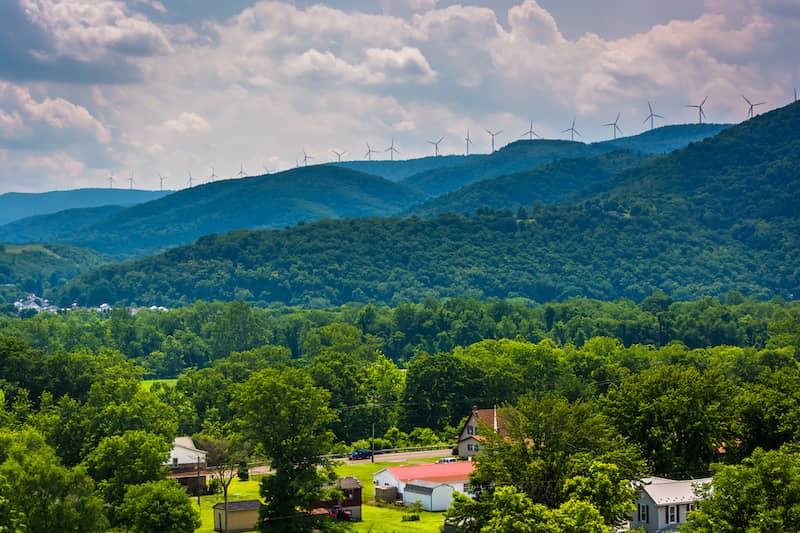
(187, 122)
(56, 119)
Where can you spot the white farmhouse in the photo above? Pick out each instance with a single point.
(664, 503)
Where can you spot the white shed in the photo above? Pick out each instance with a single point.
(433, 496)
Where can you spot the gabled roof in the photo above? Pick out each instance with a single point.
(665, 491)
(241, 505)
(424, 487)
(442, 472)
(184, 450)
(491, 417)
(348, 482)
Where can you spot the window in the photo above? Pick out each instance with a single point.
(472, 447)
(471, 430)
(671, 512)
(642, 513)
(174, 461)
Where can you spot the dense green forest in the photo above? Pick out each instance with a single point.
(562, 181)
(403, 168)
(716, 216)
(54, 226)
(39, 268)
(581, 372)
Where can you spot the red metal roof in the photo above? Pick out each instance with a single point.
(458, 471)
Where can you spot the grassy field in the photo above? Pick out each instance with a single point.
(148, 383)
(375, 519)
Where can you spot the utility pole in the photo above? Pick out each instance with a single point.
(197, 482)
(372, 442)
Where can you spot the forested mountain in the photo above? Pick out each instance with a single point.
(270, 201)
(37, 268)
(551, 183)
(718, 215)
(399, 169)
(16, 205)
(54, 226)
(522, 155)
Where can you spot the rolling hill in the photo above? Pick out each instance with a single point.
(522, 155)
(54, 226)
(400, 169)
(718, 215)
(271, 201)
(550, 183)
(17, 205)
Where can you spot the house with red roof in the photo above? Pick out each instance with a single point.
(430, 484)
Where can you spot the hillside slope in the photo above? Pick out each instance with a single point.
(523, 155)
(272, 201)
(52, 227)
(718, 215)
(400, 169)
(551, 183)
(17, 205)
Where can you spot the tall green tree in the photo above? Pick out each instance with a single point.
(288, 418)
(159, 507)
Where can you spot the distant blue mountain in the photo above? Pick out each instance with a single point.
(17, 205)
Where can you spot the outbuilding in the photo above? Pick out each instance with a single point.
(242, 516)
(432, 495)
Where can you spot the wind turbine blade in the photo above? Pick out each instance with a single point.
(704, 101)
(577, 132)
(658, 116)
(499, 132)
(746, 100)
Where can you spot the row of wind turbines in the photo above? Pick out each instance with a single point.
(530, 134)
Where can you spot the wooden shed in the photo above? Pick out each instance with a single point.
(242, 516)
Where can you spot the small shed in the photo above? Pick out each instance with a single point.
(351, 489)
(432, 495)
(242, 516)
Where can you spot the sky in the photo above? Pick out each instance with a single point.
(142, 88)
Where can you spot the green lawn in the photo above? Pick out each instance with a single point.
(148, 383)
(375, 519)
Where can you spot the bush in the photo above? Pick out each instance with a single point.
(409, 517)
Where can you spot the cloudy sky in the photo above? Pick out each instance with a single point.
(93, 87)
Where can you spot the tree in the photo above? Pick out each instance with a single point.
(761, 495)
(122, 460)
(288, 417)
(159, 507)
(223, 457)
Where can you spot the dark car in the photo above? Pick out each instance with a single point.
(361, 453)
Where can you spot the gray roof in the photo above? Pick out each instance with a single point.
(421, 486)
(665, 491)
(349, 482)
(241, 505)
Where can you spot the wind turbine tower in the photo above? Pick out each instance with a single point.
(651, 117)
(700, 114)
(436, 146)
(751, 109)
(468, 140)
(111, 180)
(213, 175)
(572, 131)
(306, 157)
(614, 127)
(190, 179)
(240, 174)
(392, 150)
(493, 135)
(530, 133)
(161, 180)
(339, 155)
(131, 181)
(369, 153)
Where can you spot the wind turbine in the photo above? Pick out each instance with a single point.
(469, 141)
(161, 180)
(493, 135)
(190, 179)
(436, 146)
(306, 157)
(266, 168)
(700, 113)
(530, 133)
(651, 116)
(614, 128)
(369, 153)
(213, 175)
(750, 111)
(339, 155)
(392, 150)
(240, 174)
(795, 95)
(572, 131)
(111, 180)
(131, 181)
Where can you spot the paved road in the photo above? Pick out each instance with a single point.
(380, 458)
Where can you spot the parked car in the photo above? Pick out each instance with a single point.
(446, 460)
(361, 453)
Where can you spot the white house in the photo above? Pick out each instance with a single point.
(432, 484)
(184, 453)
(664, 503)
(432, 495)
